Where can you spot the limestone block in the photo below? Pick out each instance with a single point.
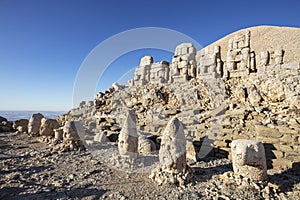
(281, 163)
(190, 151)
(264, 131)
(284, 148)
(248, 159)
(253, 95)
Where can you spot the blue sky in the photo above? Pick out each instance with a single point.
(43, 43)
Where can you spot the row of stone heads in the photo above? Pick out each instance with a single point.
(248, 156)
(42, 126)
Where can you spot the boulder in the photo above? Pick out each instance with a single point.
(2, 119)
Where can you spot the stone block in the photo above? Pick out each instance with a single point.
(284, 148)
(264, 131)
(292, 156)
(286, 130)
(268, 140)
(281, 163)
(190, 151)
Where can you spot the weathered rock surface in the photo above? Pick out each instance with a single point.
(79, 175)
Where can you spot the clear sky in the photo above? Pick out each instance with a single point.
(43, 43)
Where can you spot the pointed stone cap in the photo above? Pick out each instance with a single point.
(172, 153)
(129, 126)
(128, 138)
(174, 129)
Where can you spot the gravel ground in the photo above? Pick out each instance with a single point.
(31, 170)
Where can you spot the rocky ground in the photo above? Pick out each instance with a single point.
(31, 170)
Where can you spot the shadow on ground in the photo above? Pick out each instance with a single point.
(78, 193)
(288, 178)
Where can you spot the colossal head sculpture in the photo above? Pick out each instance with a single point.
(172, 153)
(128, 138)
(248, 159)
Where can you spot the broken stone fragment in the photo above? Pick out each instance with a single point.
(253, 95)
(248, 159)
(128, 138)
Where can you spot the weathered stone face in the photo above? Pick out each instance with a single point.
(48, 126)
(146, 146)
(248, 159)
(128, 138)
(146, 60)
(35, 123)
(70, 130)
(172, 153)
(5, 126)
(21, 125)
